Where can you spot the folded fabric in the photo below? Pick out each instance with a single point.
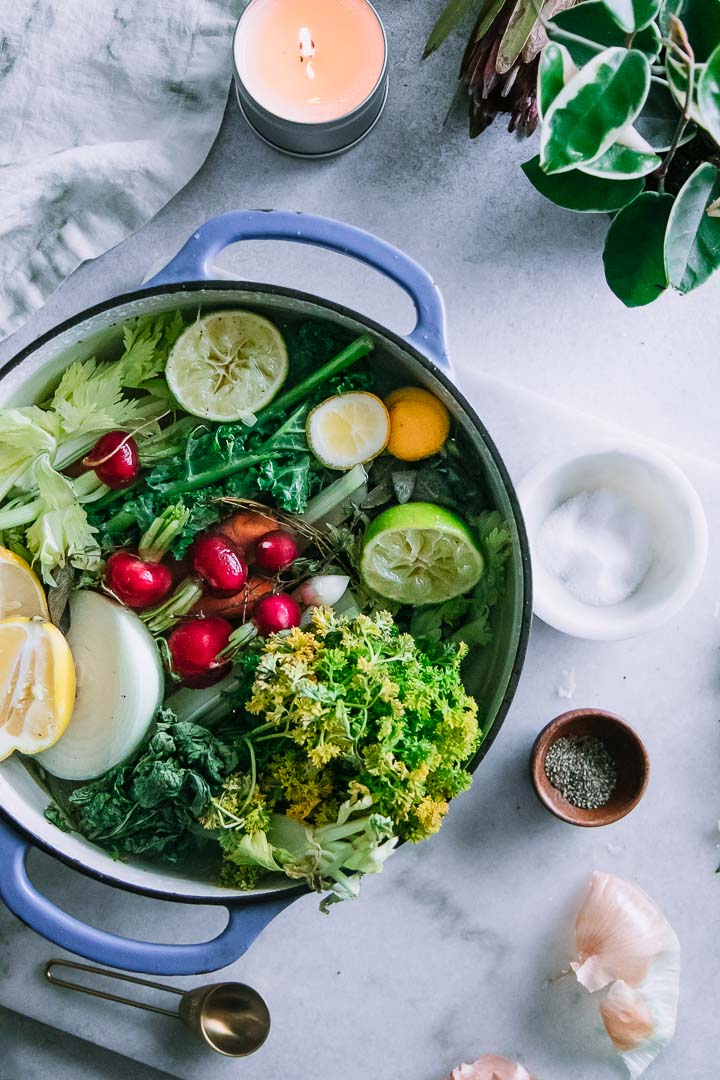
(107, 108)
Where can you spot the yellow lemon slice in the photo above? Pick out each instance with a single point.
(347, 429)
(37, 685)
(21, 594)
(227, 366)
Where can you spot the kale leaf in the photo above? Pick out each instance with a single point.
(150, 805)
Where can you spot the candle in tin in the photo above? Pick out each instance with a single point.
(311, 74)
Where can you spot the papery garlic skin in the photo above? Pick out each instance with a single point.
(618, 931)
(491, 1067)
(623, 938)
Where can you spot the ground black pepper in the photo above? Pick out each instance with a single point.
(582, 770)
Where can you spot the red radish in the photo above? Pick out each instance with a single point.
(276, 550)
(114, 458)
(219, 563)
(136, 583)
(195, 646)
(275, 613)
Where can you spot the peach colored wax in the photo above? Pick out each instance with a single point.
(310, 61)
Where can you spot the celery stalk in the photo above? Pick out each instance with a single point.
(327, 508)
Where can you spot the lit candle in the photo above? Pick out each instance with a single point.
(311, 74)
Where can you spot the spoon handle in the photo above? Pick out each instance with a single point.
(53, 978)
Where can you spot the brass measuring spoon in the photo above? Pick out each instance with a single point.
(231, 1018)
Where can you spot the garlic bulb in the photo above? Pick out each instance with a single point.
(624, 939)
(491, 1067)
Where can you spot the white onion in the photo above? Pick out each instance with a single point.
(120, 686)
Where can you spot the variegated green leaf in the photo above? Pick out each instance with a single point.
(709, 95)
(451, 16)
(585, 118)
(633, 256)
(692, 240)
(633, 15)
(522, 20)
(623, 163)
(592, 21)
(677, 76)
(658, 121)
(701, 19)
(582, 193)
(556, 69)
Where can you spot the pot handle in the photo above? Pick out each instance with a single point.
(194, 261)
(245, 923)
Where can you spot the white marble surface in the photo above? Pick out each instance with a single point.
(447, 954)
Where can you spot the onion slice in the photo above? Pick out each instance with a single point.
(491, 1067)
(624, 940)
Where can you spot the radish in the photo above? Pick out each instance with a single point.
(276, 550)
(114, 457)
(136, 583)
(275, 613)
(220, 564)
(323, 590)
(195, 646)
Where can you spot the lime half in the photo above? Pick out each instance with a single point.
(419, 553)
(227, 366)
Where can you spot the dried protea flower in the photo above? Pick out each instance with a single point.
(499, 68)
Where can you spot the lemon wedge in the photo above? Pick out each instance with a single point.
(348, 429)
(21, 593)
(37, 685)
(227, 366)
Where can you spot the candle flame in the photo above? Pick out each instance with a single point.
(306, 44)
(307, 50)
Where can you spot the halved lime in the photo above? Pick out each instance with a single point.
(419, 553)
(227, 366)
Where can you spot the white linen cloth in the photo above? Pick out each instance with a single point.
(107, 108)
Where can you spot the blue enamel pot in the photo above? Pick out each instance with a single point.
(185, 283)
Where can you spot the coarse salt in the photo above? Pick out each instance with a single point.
(599, 545)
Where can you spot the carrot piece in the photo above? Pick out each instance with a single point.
(240, 606)
(245, 527)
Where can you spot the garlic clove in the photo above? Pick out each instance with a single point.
(618, 931)
(491, 1067)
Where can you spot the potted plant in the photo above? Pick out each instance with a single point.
(628, 101)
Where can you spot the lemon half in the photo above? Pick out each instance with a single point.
(348, 429)
(21, 593)
(37, 685)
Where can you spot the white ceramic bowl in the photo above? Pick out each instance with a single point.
(657, 487)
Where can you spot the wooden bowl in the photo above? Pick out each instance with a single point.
(624, 745)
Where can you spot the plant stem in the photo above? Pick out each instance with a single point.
(556, 33)
(349, 355)
(682, 124)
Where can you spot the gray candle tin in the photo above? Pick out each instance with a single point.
(321, 140)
